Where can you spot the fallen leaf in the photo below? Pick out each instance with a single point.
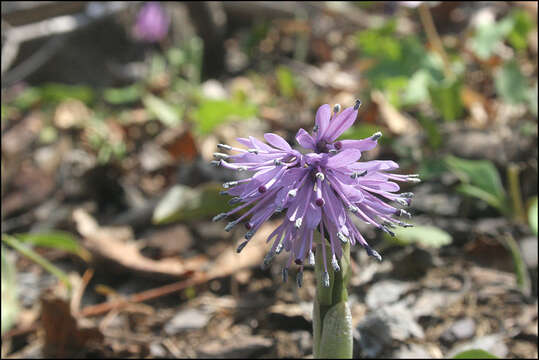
(116, 244)
(64, 336)
(397, 122)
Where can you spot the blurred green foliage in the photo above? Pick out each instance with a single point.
(424, 235)
(211, 113)
(10, 306)
(474, 354)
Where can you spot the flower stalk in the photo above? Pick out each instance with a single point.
(332, 319)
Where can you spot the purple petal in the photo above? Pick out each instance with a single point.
(362, 145)
(304, 139)
(344, 158)
(340, 124)
(322, 120)
(277, 141)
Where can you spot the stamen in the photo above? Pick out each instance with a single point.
(377, 135)
(407, 195)
(341, 237)
(249, 234)
(357, 104)
(299, 278)
(320, 176)
(333, 151)
(292, 193)
(373, 253)
(219, 217)
(229, 184)
(335, 263)
(224, 146)
(337, 108)
(216, 163)
(219, 156)
(230, 225)
(357, 174)
(234, 200)
(298, 222)
(325, 279)
(311, 257)
(241, 246)
(253, 151)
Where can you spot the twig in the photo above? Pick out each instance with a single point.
(98, 309)
(433, 37)
(79, 291)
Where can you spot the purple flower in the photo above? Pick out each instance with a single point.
(318, 190)
(152, 23)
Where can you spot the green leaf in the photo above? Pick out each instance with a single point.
(475, 354)
(510, 84)
(479, 193)
(428, 236)
(522, 25)
(10, 305)
(431, 168)
(55, 93)
(417, 90)
(445, 97)
(211, 113)
(60, 240)
(285, 80)
(532, 215)
(521, 271)
(532, 100)
(169, 115)
(488, 36)
(123, 95)
(183, 203)
(35, 257)
(483, 177)
(27, 98)
(431, 127)
(336, 341)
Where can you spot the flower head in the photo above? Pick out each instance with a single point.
(318, 190)
(152, 22)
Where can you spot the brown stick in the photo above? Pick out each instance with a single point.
(94, 310)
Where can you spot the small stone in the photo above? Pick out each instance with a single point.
(412, 351)
(386, 292)
(528, 247)
(494, 344)
(191, 319)
(460, 330)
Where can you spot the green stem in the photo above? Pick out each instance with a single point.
(38, 259)
(332, 320)
(519, 213)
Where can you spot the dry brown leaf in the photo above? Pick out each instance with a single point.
(64, 336)
(397, 122)
(116, 244)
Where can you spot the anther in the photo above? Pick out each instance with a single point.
(249, 234)
(325, 279)
(333, 151)
(357, 174)
(338, 145)
(224, 147)
(292, 193)
(298, 262)
(336, 108)
(219, 217)
(230, 225)
(407, 195)
(320, 202)
(241, 246)
(320, 176)
(234, 200)
(229, 184)
(216, 163)
(253, 151)
(298, 223)
(262, 189)
(285, 274)
(277, 162)
(335, 263)
(377, 135)
(373, 253)
(219, 156)
(341, 237)
(357, 104)
(404, 213)
(299, 278)
(311, 257)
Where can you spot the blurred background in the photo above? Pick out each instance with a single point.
(111, 112)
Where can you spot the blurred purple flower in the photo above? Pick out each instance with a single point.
(318, 190)
(152, 22)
